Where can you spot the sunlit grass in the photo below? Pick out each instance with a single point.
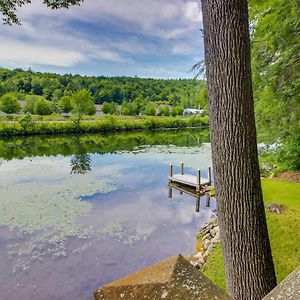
(284, 232)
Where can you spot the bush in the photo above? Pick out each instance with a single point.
(65, 104)
(150, 109)
(164, 111)
(42, 107)
(109, 108)
(177, 111)
(9, 104)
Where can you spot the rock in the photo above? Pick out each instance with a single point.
(206, 236)
(210, 248)
(288, 289)
(171, 279)
(194, 263)
(206, 244)
(213, 231)
(198, 255)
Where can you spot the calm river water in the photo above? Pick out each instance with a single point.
(78, 212)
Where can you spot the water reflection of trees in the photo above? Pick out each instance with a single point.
(80, 164)
(80, 161)
(66, 145)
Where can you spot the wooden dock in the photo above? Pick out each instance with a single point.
(198, 183)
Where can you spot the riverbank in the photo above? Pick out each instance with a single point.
(30, 126)
(284, 232)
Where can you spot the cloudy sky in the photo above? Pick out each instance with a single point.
(157, 38)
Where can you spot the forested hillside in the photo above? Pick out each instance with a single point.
(276, 74)
(103, 89)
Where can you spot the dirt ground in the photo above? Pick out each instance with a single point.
(290, 176)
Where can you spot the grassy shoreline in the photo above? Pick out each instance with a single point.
(98, 124)
(284, 232)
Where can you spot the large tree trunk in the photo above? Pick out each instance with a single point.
(246, 248)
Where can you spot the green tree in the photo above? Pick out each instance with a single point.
(275, 64)
(65, 104)
(177, 111)
(42, 107)
(83, 103)
(9, 8)
(9, 104)
(164, 111)
(150, 109)
(109, 108)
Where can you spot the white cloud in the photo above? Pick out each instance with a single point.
(192, 11)
(182, 49)
(140, 30)
(16, 53)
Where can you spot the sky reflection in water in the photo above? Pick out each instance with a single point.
(63, 235)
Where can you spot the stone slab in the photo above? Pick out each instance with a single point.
(172, 279)
(288, 289)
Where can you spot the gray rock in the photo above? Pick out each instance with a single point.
(206, 237)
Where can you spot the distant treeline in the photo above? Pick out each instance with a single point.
(183, 92)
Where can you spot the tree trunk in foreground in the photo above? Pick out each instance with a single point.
(246, 248)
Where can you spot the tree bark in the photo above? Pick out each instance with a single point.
(246, 248)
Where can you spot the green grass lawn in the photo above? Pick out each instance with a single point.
(284, 231)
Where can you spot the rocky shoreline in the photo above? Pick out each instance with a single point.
(208, 238)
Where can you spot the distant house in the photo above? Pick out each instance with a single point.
(193, 111)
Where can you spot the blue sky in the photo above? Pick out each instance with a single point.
(157, 38)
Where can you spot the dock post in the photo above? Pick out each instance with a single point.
(209, 175)
(207, 200)
(198, 179)
(198, 204)
(181, 168)
(170, 195)
(171, 170)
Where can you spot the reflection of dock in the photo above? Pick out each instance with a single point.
(195, 186)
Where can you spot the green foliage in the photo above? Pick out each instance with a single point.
(125, 108)
(164, 111)
(100, 124)
(83, 103)
(150, 109)
(42, 107)
(65, 104)
(9, 104)
(26, 121)
(20, 147)
(275, 64)
(177, 111)
(30, 101)
(8, 8)
(136, 91)
(109, 108)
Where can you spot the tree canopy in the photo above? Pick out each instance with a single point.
(8, 8)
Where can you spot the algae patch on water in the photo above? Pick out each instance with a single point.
(118, 231)
(41, 201)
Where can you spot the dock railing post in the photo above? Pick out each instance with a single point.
(181, 168)
(198, 204)
(171, 170)
(198, 179)
(209, 175)
(207, 200)
(170, 195)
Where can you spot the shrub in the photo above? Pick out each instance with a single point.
(42, 107)
(9, 104)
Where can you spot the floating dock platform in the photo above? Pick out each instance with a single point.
(196, 183)
(195, 186)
